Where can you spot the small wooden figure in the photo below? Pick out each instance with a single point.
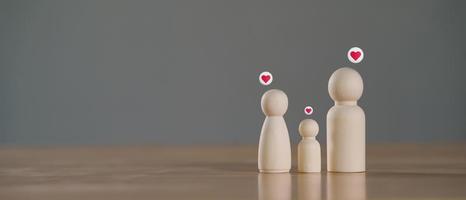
(309, 148)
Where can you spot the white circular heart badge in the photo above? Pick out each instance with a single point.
(355, 55)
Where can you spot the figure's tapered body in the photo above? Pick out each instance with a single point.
(346, 122)
(274, 153)
(274, 146)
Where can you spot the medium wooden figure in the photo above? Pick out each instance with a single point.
(274, 155)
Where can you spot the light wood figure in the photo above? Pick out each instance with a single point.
(346, 132)
(309, 147)
(274, 155)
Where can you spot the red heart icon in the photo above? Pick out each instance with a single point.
(308, 110)
(265, 78)
(355, 55)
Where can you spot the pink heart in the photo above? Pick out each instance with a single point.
(355, 55)
(265, 78)
(308, 110)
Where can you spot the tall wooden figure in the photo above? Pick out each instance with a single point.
(346, 123)
(274, 155)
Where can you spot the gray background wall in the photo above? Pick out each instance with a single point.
(185, 72)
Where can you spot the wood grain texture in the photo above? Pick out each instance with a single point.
(395, 171)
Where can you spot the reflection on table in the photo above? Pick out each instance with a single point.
(274, 186)
(346, 186)
(340, 186)
(309, 186)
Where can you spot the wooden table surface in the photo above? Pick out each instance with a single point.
(395, 171)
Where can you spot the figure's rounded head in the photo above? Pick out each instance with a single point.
(345, 84)
(274, 103)
(308, 128)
